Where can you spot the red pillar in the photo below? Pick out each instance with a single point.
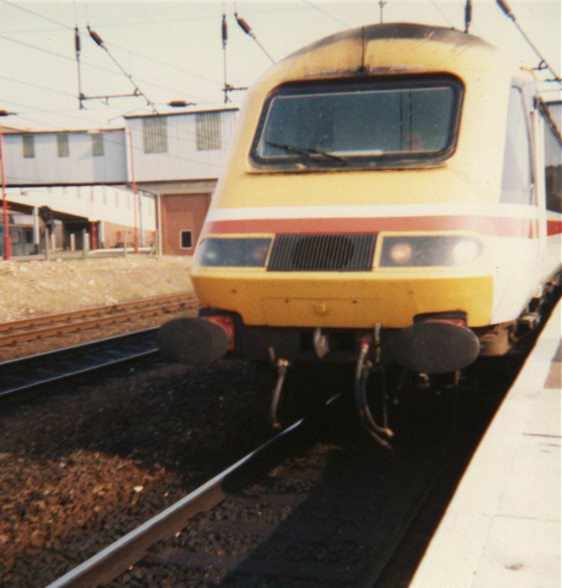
(94, 235)
(5, 219)
(135, 192)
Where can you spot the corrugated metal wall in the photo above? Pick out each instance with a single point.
(185, 147)
(41, 159)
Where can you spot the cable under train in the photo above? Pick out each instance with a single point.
(387, 201)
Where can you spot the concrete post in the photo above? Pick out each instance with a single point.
(85, 242)
(72, 242)
(36, 233)
(101, 234)
(141, 225)
(46, 240)
(159, 223)
(53, 241)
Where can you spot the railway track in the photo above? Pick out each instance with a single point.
(327, 512)
(28, 372)
(117, 557)
(299, 511)
(54, 325)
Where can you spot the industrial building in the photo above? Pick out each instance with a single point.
(168, 164)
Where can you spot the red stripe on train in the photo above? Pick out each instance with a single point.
(554, 227)
(498, 226)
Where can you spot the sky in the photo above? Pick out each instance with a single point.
(173, 50)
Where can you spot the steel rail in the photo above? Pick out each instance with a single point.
(66, 317)
(117, 557)
(62, 375)
(85, 325)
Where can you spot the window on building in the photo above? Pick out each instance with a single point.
(517, 180)
(155, 135)
(208, 131)
(28, 146)
(63, 148)
(97, 145)
(186, 239)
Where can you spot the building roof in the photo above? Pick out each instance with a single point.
(8, 130)
(223, 108)
(63, 130)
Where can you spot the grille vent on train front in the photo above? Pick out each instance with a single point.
(346, 252)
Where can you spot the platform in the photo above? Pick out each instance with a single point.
(502, 527)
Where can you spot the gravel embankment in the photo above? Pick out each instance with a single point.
(35, 288)
(85, 462)
(39, 288)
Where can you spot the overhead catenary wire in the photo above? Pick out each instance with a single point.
(77, 46)
(122, 23)
(326, 13)
(37, 14)
(85, 63)
(442, 13)
(136, 90)
(116, 45)
(38, 86)
(543, 64)
(243, 24)
(140, 55)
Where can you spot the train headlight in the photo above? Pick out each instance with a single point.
(429, 250)
(465, 251)
(400, 253)
(235, 252)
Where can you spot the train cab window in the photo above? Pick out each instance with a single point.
(373, 122)
(553, 155)
(517, 179)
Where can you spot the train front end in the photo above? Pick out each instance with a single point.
(361, 207)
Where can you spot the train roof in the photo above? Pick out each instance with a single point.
(395, 31)
(391, 49)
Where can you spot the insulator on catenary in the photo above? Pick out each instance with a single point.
(224, 30)
(506, 8)
(180, 103)
(77, 44)
(95, 36)
(243, 25)
(467, 15)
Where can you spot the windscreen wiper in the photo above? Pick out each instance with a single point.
(307, 151)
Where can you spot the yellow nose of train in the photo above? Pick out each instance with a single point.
(359, 195)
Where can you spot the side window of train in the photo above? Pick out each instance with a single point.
(517, 180)
(553, 156)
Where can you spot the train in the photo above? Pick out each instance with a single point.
(392, 198)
